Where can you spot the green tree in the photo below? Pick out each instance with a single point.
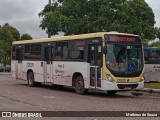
(155, 44)
(145, 42)
(8, 34)
(15, 33)
(51, 15)
(86, 16)
(26, 37)
(158, 32)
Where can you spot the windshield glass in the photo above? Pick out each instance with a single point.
(124, 57)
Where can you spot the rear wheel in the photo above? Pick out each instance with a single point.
(30, 79)
(79, 86)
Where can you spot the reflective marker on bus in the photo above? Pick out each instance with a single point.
(108, 61)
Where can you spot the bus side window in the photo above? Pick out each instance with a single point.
(65, 52)
(13, 53)
(61, 50)
(35, 52)
(146, 55)
(27, 51)
(76, 50)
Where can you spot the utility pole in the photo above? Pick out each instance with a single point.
(49, 2)
(49, 34)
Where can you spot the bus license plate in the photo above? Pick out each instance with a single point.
(127, 88)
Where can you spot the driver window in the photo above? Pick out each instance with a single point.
(110, 57)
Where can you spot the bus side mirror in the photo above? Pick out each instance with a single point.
(105, 50)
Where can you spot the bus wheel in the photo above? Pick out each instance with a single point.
(30, 79)
(79, 86)
(111, 92)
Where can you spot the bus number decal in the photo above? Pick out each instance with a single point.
(60, 66)
(30, 64)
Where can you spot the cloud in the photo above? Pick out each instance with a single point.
(154, 4)
(23, 15)
(30, 26)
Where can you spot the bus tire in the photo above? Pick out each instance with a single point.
(30, 79)
(111, 92)
(79, 86)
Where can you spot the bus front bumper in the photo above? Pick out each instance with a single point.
(108, 85)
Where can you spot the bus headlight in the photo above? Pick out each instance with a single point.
(142, 79)
(109, 78)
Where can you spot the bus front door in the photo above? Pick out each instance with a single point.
(48, 65)
(95, 60)
(19, 58)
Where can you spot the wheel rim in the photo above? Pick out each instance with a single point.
(80, 85)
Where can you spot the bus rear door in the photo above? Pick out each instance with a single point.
(19, 58)
(48, 77)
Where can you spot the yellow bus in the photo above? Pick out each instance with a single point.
(107, 61)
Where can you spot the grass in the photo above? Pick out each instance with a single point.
(152, 85)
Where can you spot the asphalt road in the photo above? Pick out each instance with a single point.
(16, 95)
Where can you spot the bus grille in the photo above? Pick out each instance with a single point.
(123, 86)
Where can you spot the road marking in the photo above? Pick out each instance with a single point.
(42, 95)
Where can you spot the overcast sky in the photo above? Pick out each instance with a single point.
(23, 15)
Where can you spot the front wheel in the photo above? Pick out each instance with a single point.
(79, 86)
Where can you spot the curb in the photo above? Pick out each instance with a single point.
(5, 73)
(150, 90)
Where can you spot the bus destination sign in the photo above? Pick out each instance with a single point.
(122, 38)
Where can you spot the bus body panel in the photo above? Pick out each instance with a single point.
(152, 72)
(34, 66)
(63, 72)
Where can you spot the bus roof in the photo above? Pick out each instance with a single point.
(70, 37)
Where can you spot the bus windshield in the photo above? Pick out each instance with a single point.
(124, 56)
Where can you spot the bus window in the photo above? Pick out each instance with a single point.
(27, 52)
(152, 56)
(13, 53)
(61, 50)
(76, 50)
(35, 51)
(95, 55)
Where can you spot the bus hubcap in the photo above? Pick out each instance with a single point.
(80, 85)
